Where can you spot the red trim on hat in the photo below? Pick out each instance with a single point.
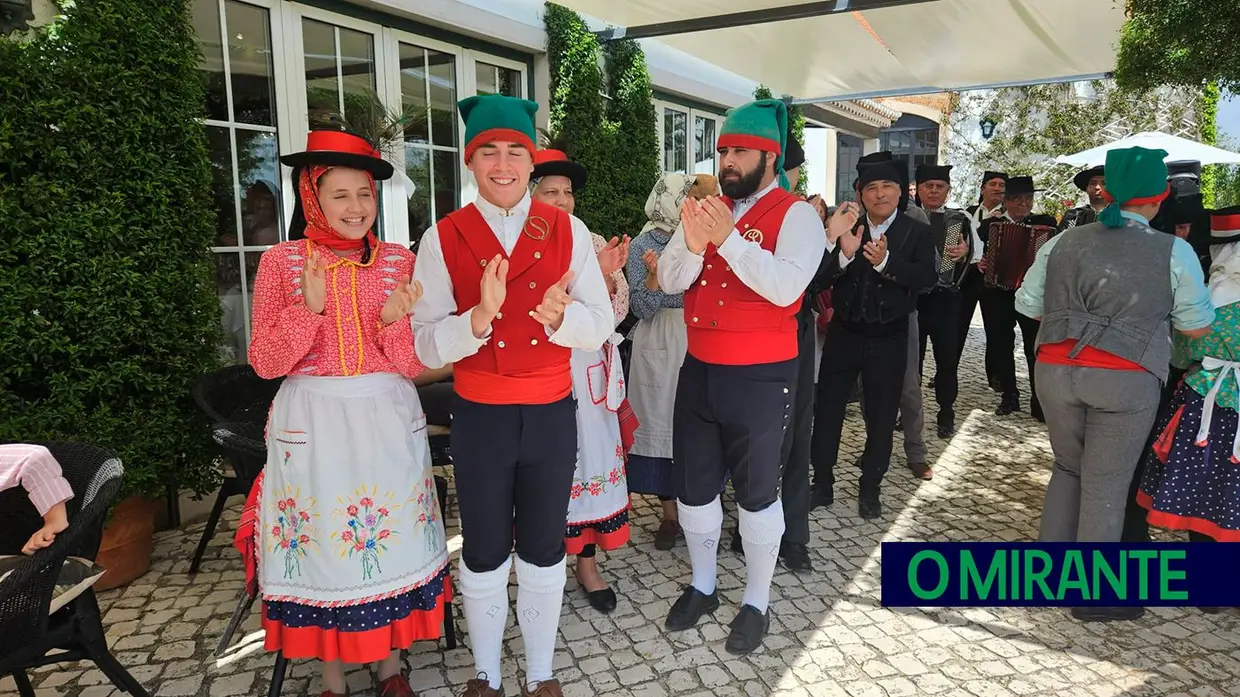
(339, 141)
(542, 157)
(743, 140)
(1225, 223)
(1158, 198)
(493, 134)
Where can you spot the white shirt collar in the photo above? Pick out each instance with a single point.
(491, 210)
(877, 231)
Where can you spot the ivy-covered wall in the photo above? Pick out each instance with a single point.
(108, 296)
(1207, 121)
(606, 122)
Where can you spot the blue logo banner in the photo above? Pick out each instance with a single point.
(1060, 574)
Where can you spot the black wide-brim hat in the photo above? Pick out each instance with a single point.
(555, 163)
(1019, 186)
(340, 149)
(1081, 180)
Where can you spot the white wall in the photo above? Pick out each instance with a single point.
(819, 167)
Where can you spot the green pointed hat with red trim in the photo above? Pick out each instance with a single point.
(1135, 176)
(758, 125)
(492, 117)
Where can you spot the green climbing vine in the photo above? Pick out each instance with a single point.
(1207, 120)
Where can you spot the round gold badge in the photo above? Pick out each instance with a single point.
(537, 228)
(753, 235)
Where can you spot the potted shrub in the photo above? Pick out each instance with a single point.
(108, 291)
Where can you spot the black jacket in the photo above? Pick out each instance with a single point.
(859, 295)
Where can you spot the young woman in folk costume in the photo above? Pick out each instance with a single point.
(658, 345)
(598, 509)
(351, 552)
(1192, 474)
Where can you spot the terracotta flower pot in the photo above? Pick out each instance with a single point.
(128, 539)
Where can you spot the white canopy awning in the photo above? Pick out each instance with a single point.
(1178, 149)
(851, 49)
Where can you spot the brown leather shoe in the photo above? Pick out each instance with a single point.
(481, 687)
(665, 537)
(396, 686)
(546, 688)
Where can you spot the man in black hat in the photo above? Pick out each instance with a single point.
(1000, 303)
(939, 312)
(1092, 181)
(875, 272)
(989, 205)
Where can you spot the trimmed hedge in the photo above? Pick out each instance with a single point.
(636, 135)
(108, 294)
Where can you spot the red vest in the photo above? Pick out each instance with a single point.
(729, 323)
(517, 365)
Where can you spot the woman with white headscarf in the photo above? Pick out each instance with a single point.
(1192, 474)
(658, 344)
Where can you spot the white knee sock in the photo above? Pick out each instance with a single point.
(484, 598)
(702, 526)
(540, 596)
(760, 534)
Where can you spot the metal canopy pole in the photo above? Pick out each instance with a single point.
(750, 17)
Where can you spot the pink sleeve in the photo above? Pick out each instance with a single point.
(33, 467)
(396, 343)
(620, 300)
(283, 327)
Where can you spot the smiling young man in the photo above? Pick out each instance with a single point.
(510, 287)
(876, 271)
(743, 261)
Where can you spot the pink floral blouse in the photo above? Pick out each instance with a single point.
(619, 299)
(348, 337)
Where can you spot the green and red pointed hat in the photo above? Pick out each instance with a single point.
(492, 117)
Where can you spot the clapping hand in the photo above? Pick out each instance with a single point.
(842, 223)
(695, 225)
(719, 220)
(651, 260)
(876, 252)
(550, 312)
(612, 257)
(400, 302)
(314, 283)
(494, 289)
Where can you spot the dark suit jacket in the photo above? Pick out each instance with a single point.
(858, 294)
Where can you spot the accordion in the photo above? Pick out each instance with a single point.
(1010, 251)
(951, 229)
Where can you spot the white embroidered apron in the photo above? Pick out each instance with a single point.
(659, 345)
(348, 511)
(600, 488)
(1224, 368)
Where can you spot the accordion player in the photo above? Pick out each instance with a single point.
(951, 227)
(1010, 251)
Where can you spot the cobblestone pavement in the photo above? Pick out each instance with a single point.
(829, 635)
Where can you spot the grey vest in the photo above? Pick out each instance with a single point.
(1110, 288)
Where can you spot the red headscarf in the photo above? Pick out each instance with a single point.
(318, 230)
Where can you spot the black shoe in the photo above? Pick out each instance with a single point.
(737, 545)
(747, 630)
(869, 508)
(821, 498)
(947, 429)
(602, 600)
(689, 609)
(1008, 405)
(1107, 614)
(921, 470)
(796, 557)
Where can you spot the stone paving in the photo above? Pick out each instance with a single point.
(829, 635)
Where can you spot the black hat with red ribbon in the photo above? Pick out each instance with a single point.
(339, 148)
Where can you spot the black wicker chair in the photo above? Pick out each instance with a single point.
(74, 632)
(236, 395)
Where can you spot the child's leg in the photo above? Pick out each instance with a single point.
(389, 666)
(333, 677)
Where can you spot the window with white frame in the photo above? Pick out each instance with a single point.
(687, 138)
(241, 121)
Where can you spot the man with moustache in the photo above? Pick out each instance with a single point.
(510, 287)
(938, 312)
(876, 270)
(743, 261)
(989, 205)
(1092, 181)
